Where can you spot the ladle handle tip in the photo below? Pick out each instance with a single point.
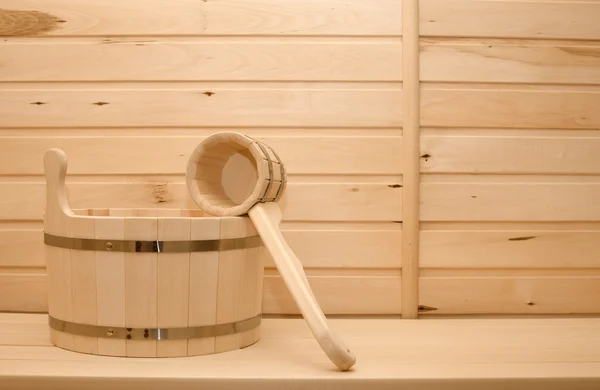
(266, 218)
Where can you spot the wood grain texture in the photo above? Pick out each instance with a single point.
(510, 19)
(204, 277)
(510, 108)
(510, 202)
(230, 277)
(23, 292)
(22, 247)
(514, 249)
(336, 202)
(84, 285)
(559, 354)
(169, 154)
(510, 154)
(411, 105)
(510, 62)
(199, 107)
(101, 60)
(318, 245)
(173, 285)
(111, 285)
(336, 294)
(189, 17)
(141, 286)
(511, 295)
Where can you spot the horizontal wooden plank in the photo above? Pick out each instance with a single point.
(25, 333)
(510, 108)
(169, 155)
(510, 202)
(509, 249)
(22, 248)
(190, 17)
(336, 295)
(168, 61)
(511, 295)
(510, 154)
(510, 63)
(342, 248)
(23, 292)
(198, 107)
(301, 202)
(510, 19)
(533, 354)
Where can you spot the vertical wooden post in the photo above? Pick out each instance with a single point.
(411, 180)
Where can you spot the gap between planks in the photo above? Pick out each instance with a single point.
(184, 131)
(187, 85)
(153, 178)
(508, 272)
(200, 39)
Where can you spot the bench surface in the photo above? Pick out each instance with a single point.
(391, 354)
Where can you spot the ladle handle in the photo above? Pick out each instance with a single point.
(266, 218)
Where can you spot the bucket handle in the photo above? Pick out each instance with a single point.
(57, 212)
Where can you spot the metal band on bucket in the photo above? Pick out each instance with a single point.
(107, 245)
(194, 332)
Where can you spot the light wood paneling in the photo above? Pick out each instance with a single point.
(200, 107)
(192, 61)
(526, 249)
(318, 245)
(510, 202)
(411, 113)
(336, 294)
(302, 202)
(190, 17)
(510, 107)
(510, 19)
(511, 295)
(22, 247)
(23, 292)
(510, 154)
(169, 155)
(510, 61)
(127, 89)
(532, 354)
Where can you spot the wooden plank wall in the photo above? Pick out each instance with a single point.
(503, 207)
(510, 157)
(128, 89)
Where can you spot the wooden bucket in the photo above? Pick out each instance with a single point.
(149, 282)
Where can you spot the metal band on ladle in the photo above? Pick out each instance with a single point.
(214, 155)
(267, 157)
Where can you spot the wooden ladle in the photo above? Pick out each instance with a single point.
(231, 174)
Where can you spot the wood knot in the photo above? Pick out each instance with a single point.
(26, 23)
(522, 238)
(38, 103)
(100, 103)
(161, 193)
(208, 93)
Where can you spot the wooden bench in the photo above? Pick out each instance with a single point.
(432, 354)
